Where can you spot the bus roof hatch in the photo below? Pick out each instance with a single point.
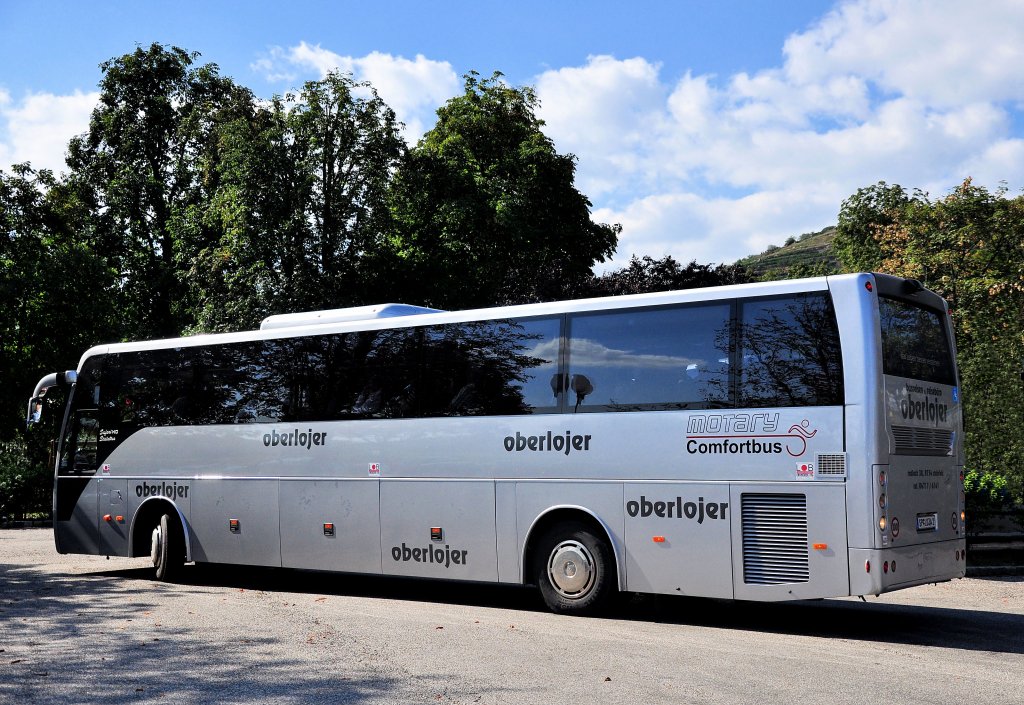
(343, 315)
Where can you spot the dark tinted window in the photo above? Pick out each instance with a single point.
(664, 358)
(683, 357)
(495, 367)
(914, 342)
(363, 375)
(489, 368)
(234, 383)
(789, 352)
(80, 452)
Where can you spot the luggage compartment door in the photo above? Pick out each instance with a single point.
(439, 529)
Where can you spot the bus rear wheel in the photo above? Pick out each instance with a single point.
(574, 570)
(167, 548)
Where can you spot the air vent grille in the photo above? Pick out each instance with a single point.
(774, 539)
(832, 465)
(910, 440)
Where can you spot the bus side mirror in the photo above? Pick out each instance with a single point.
(35, 411)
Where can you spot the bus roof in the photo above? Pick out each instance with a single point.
(364, 318)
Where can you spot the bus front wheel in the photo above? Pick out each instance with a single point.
(574, 569)
(167, 548)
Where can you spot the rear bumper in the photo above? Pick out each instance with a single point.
(907, 566)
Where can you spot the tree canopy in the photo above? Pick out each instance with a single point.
(144, 165)
(646, 274)
(56, 289)
(968, 247)
(486, 211)
(300, 210)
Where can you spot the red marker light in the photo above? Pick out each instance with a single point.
(106, 517)
(658, 539)
(868, 286)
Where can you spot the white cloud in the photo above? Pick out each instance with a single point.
(714, 229)
(920, 93)
(37, 128)
(1000, 162)
(606, 112)
(943, 52)
(413, 88)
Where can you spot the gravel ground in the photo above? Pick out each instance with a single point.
(77, 629)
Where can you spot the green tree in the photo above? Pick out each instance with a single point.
(968, 247)
(861, 217)
(300, 206)
(58, 292)
(24, 484)
(643, 275)
(142, 169)
(486, 210)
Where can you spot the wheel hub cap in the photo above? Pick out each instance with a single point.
(571, 569)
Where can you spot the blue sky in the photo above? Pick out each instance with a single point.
(708, 129)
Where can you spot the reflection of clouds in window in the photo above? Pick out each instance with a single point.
(590, 353)
(544, 353)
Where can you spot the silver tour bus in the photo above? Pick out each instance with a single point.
(772, 441)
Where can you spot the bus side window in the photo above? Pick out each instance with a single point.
(81, 446)
(789, 352)
(650, 359)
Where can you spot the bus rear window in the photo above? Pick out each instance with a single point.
(914, 342)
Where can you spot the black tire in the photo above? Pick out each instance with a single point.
(167, 548)
(574, 569)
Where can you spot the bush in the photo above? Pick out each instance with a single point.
(991, 506)
(25, 487)
(986, 491)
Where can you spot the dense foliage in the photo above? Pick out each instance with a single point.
(646, 274)
(485, 209)
(969, 247)
(24, 485)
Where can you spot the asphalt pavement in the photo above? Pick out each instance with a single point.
(82, 629)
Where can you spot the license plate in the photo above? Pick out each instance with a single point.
(927, 522)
